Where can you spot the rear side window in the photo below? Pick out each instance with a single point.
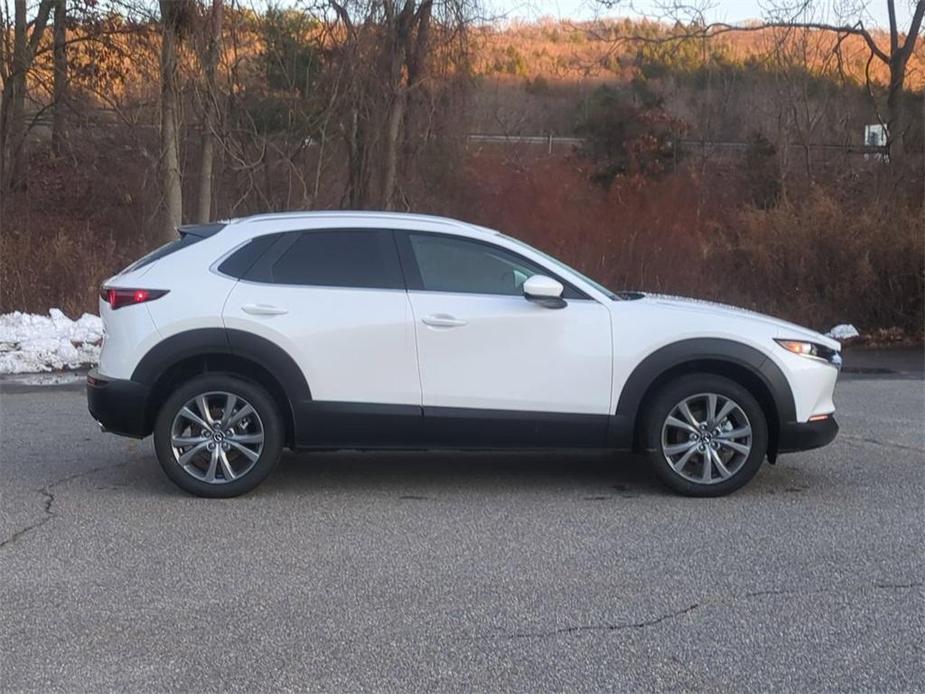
(238, 263)
(190, 234)
(365, 258)
(165, 250)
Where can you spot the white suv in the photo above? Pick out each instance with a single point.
(335, 330)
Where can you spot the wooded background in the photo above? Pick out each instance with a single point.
(718, 161)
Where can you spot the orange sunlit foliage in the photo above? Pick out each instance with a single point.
(123, 64)
(567, 51)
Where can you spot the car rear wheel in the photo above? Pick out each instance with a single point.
(706, 435)
(218, 436)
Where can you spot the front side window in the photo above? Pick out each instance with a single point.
(365, 258)
(610, 294)
(449, 264)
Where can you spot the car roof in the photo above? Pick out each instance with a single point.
(392, 219)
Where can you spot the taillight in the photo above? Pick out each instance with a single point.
(117, 297)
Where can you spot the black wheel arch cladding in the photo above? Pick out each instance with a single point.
(709, 353)
(205, 341)
(216, 344)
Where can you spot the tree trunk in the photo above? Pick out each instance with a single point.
(170, 142)
(392, 133)
(13, 108)
(358, 177)
(6, 104)
(14, 139)
(895, 126)
(60, 86)
(206, 158)
(210, 115)
(404, 63)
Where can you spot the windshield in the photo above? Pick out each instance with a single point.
(562, 266)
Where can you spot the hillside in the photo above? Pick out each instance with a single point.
(533, 78)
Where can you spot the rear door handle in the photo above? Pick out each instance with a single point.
(264, 310)
(443, 320)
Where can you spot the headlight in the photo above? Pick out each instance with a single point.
(812, 350)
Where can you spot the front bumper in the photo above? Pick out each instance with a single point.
(803, 436)
(119, 406)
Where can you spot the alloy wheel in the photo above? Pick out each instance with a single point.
(217, 437)
(706, 438)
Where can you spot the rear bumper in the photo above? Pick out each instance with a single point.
(119, 406)
(804, 436)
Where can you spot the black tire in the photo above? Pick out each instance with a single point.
(656, 430)
(267, 419)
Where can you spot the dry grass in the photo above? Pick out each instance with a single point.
(72, 228)
(824, 260)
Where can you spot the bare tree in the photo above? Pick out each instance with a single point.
(804, 100)
(175, 15)
(15, 66)
(60, 86)
(898, 59)
(388, 52)
(209, 57)
(787, 14)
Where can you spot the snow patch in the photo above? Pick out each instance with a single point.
(31, 343)
(843, 331)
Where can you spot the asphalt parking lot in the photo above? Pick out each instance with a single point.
(452, 572)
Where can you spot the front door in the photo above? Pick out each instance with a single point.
(495, 368)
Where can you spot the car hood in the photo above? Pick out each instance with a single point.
(784, 328)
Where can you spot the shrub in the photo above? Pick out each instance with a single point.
(823, 260)
(626, 132)
(760, 172)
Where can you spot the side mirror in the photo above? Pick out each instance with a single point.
(544, 291)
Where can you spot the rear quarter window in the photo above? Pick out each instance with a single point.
(162, 252)
(239, 263)
(189, 235)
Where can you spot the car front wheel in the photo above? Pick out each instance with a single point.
(706, 435)
(218, 436)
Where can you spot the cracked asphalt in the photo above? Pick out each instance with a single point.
(453, 572)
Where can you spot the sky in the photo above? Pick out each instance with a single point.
(875, 12)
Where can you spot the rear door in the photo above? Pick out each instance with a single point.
(335, 300)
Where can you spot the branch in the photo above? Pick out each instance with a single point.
(342, 14)
(38, 26)
(894, 31)
(710, 31)
(913, 32)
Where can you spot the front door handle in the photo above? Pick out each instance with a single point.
(264, 310)
(443, 320)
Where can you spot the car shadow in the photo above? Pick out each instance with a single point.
(418, 474)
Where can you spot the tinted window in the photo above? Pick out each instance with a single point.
(238, 263)
(162, 251)
(341, 258)
(190, 234)
(449, 264)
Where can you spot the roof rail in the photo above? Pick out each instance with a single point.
(408, 216)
